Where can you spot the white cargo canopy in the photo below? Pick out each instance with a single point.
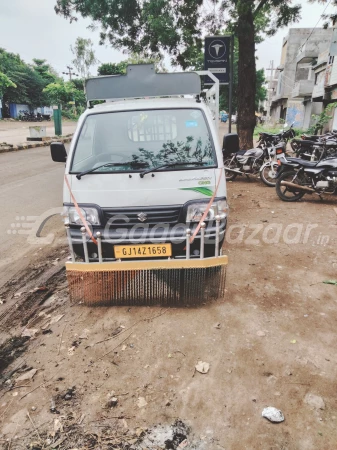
(141, 80)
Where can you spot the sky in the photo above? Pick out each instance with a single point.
(33, 30)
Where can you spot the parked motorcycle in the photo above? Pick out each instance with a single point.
(268, 170)
(250, 162)
(24, 115)
(311, 147)
(317, 150)
(27, 116)
(267, 139)
(297, 177)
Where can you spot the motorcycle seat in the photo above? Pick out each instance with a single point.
(303, 162)
(306, 143)
(271, 135)
(241, 152)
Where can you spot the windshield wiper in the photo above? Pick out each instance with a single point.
(129, 163)
(186, 163)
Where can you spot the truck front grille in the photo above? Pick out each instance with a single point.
(128, 217)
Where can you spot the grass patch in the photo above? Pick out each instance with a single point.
(273, 130)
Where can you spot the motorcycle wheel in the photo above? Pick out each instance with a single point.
(295, 147)
(230, 176)
(287, 194)
(268, 174)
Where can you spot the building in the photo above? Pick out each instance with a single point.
(292, 100)
(15, 110)
(327, 77)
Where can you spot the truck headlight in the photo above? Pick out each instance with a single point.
(195, 211)
(71, 216)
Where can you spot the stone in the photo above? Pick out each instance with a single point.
(27, 375)
(112, 402)
(202, 367)
(141, 402)
(273, 414)
(315, 401)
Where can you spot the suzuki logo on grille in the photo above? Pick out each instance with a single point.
(142, 217)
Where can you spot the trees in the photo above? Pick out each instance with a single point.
(112, 68)
(261, 90)
(84, 56)
(16, 70)
(64, 93)
(59, 93)
(28, 80)
(120, 68)
(152, 27)
(5, 83)
(46, 72)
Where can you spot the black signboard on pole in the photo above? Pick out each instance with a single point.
(217, 58)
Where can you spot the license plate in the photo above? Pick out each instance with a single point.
(142, 251)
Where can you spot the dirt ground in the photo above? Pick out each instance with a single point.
(124, 377)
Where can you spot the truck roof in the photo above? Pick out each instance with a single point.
(141, 80)
(151, 103)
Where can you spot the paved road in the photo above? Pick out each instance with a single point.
(30, 185)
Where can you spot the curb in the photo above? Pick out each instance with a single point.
(18, 147)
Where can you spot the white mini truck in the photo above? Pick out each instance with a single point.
(144, 178)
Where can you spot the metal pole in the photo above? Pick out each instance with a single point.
(215, 91)
(202, 240)
(85, 246)
(99, 246)
(231, 76)
(57, 120)
(188, 243)
(217, 235)
(70, 243)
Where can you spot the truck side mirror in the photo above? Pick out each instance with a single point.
(58, 152)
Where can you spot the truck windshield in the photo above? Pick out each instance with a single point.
(145, 139)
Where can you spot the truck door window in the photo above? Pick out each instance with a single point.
(85, 142)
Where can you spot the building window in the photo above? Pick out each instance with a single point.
(331, 59)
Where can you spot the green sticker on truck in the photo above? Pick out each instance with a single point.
(201, 190)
